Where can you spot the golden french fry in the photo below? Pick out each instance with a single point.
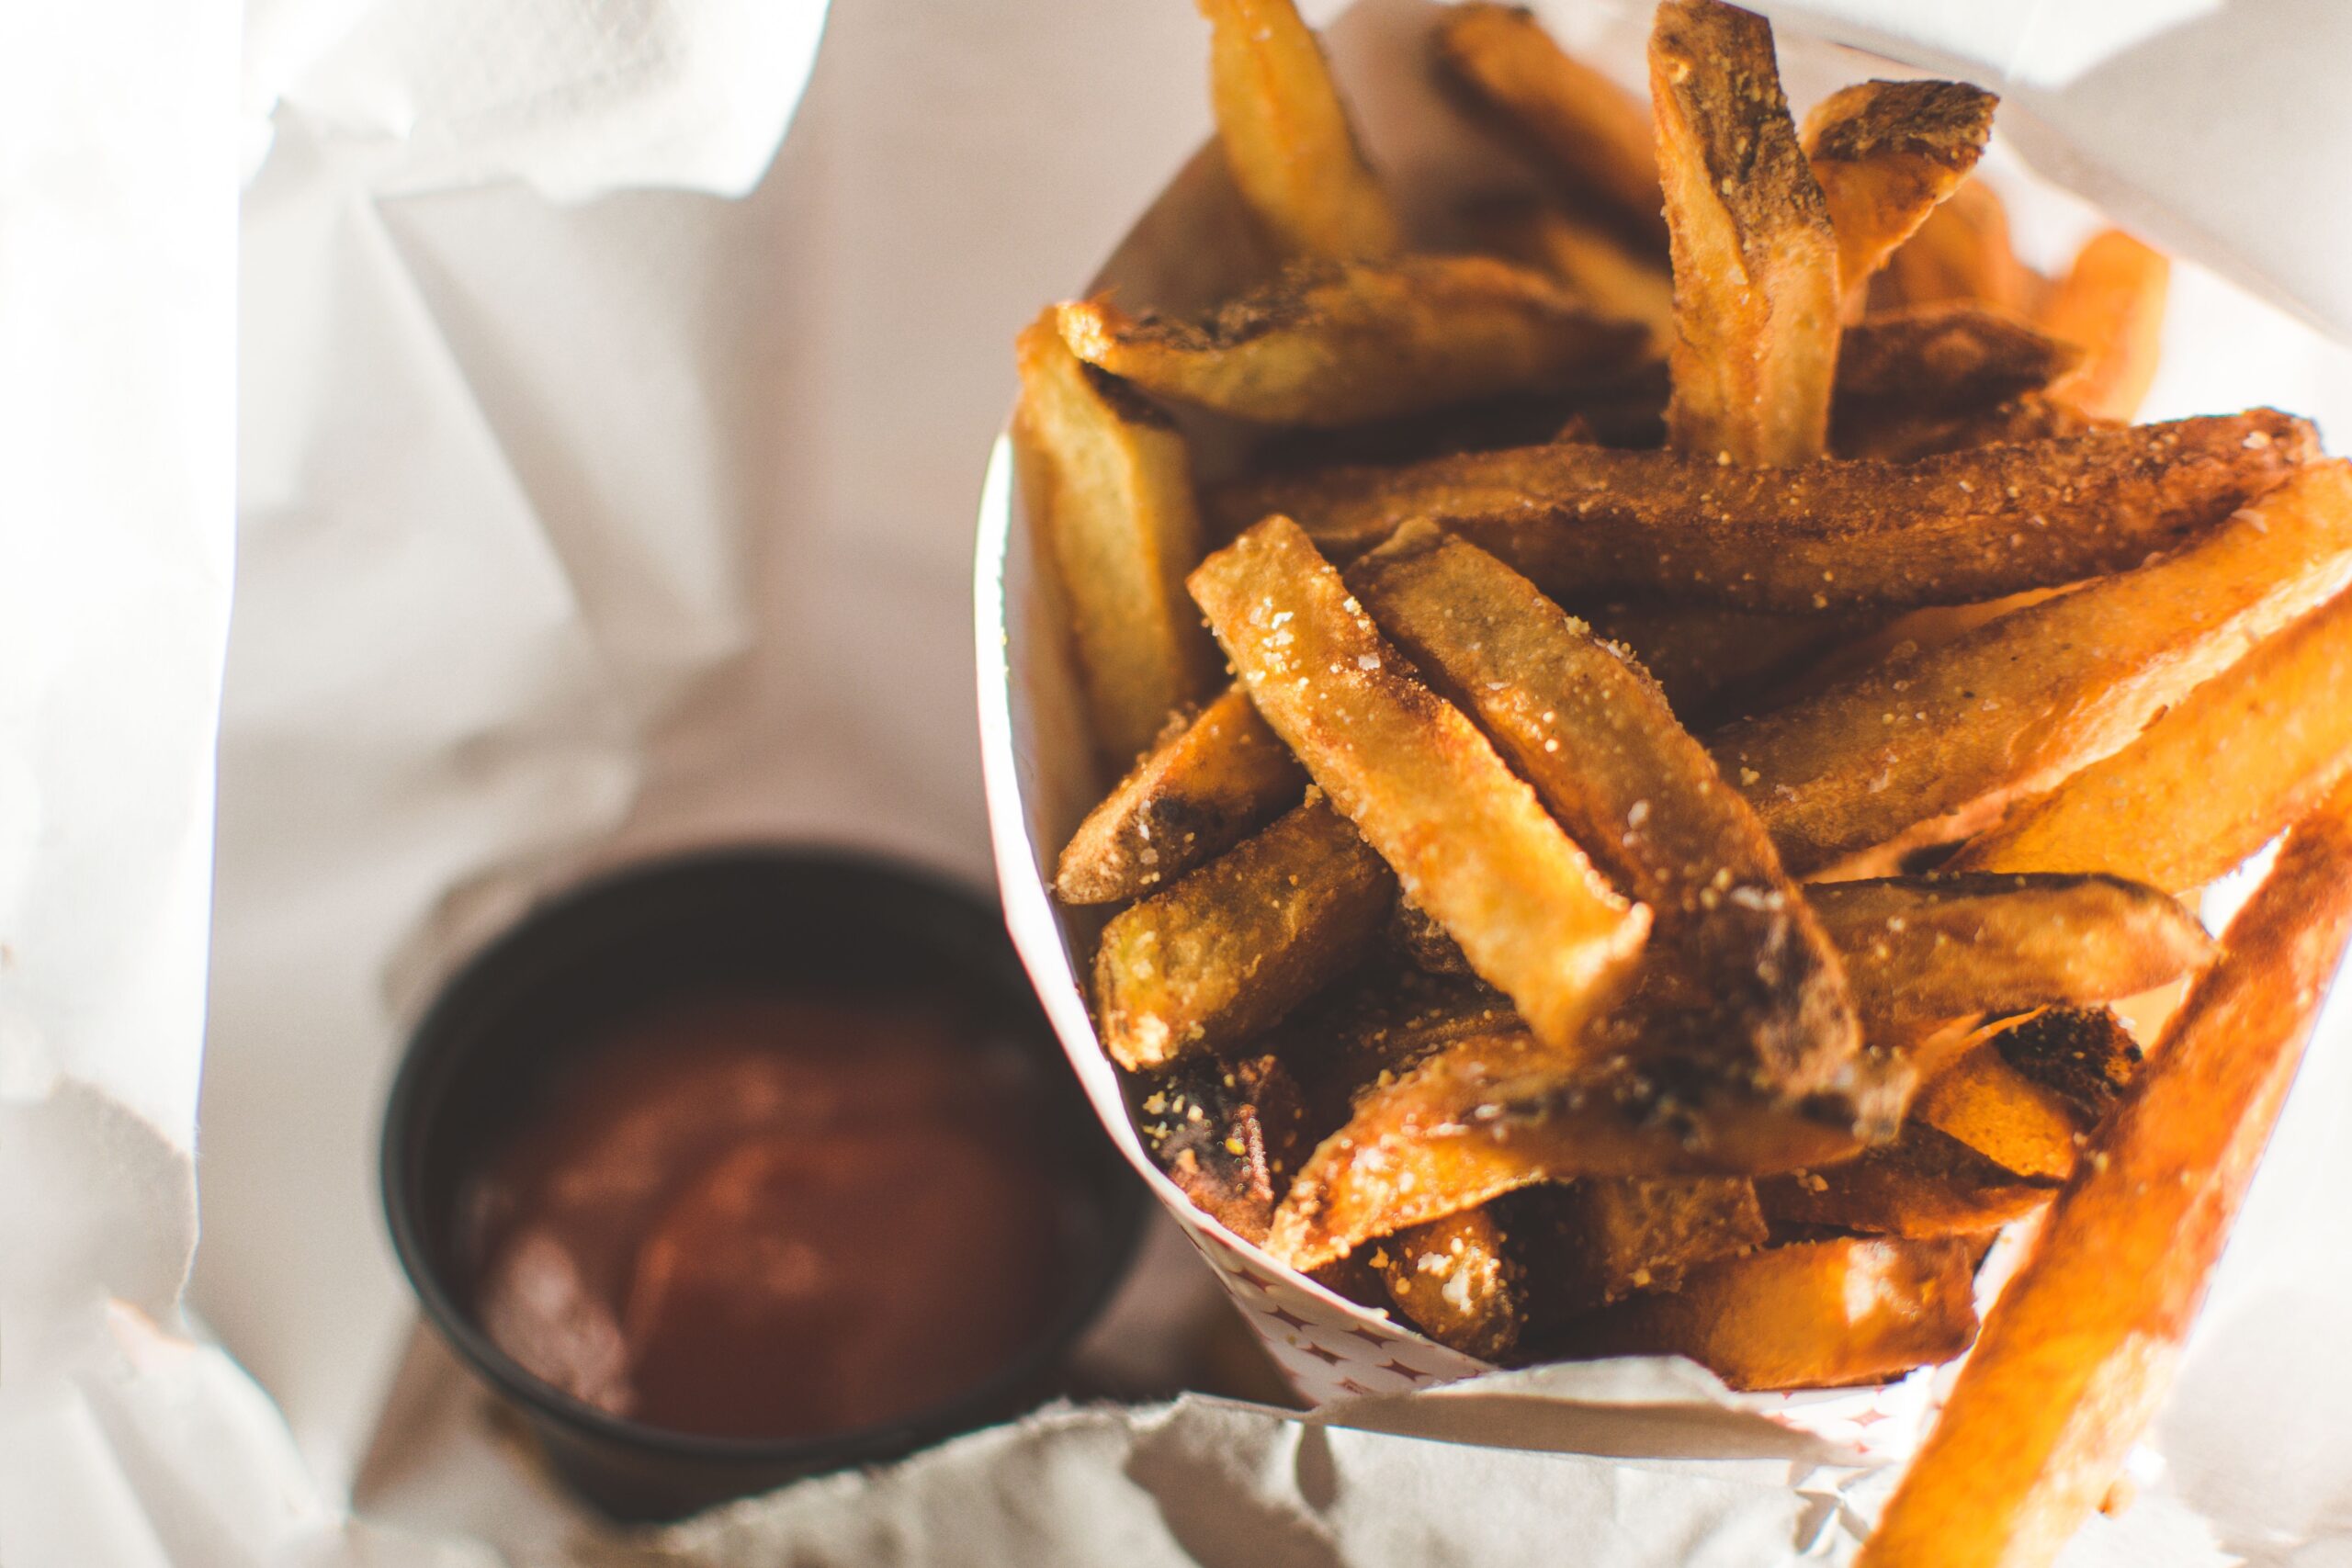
(2219, 774)
(1923, 1185)
(1111, 484)
(1886, 153)
(1593, 264)
(1454, 1279)
(1584, 126)
(1962, 252)
(1754, 261)
(1237, 944)
(1597, 1241)
(1214, 778)
(2111, 304)
(1932, 746)
(1919, 949)
(2078, 1350)
(1467, 838)
(2025, 1093)
(1287, 138)
(1338, 343)
(1815, 1314)
(1230, 1134)
(1589, 524)
(1596, 738)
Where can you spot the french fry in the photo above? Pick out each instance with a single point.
(1589, 524)
(2218, 776)
(1596, 1242)
(1598, 740)
(1111, 484)
(2079, 1348)
(1961, 252)
(2084, 1056)
(1424, 943)
(2111, 304)
(1918, 949)
(1909, 438)
(2019, 1096)
(1455, 1281)
(1710, 662)
(1214, 778)
(1231, 1135)
(1339, 343)
(1943, 740)
(1928, 360)
(1886, 153)
(1923, 1185)
(1237, 944)
(1585, 128)
(1815, 1314)
(1287, 138)
(1489, 1114)
(1469, 841)
(1754, 261)
(1593, 264)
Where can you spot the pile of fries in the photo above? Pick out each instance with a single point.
(1717, 711)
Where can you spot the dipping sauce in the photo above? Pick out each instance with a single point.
(770, 1216)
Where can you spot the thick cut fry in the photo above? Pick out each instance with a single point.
(1754, 261)
(1592, 133)
(2218, 776)
(1112, 486)
(1594, 264)
(1962, 252)
(1597, 739)
(1913, 365)
(1886, 153)
(1710, 662)
(1817, 1315)
(1231, 1135)
(1588, 523)
(1490, 1113)
(1921, 948)
(2079, 1348)
(1596, 1242)
(1214, 779)
(1925, 1184)
(1231, 948)
(1907, 439)
(1342, 343)
(2111, 304)
(2019, 1097)
(1470, 841)
(1454, 1279)
(1287, 138)
(1944, 739)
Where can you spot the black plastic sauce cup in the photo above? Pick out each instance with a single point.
(503, 1031)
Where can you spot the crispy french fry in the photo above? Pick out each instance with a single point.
(1754, 261)
(1886, 153)
(1287, 137)
(1111, 484)
(1237, 944)
(2031, 417)
(1816, 1315)
(1231, 1135)
(1592, 133)
(1962, 252)
(1943, 740)
(1917, 364)
(1918, 949)
(2011, 1099)
(1588, 523)
(1338, 343)
(1595, 265)
(2110, 303)
(1487, 1114)
(1924, 1184)
(1596, 1242)
(1215, 777)
(2079, 1348)
(1456, 1281)
(1709, 662)
(1469, 840)
(2214, 779)
(1597, 739)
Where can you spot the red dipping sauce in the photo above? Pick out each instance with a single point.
(769, 1216)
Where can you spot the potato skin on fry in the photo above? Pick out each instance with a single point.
(1335, 344)
(1815, 1314)
(1924, 1184)
(1756, 301)
(1231, 1135)
(1885, 154)
(1925, 743)
(1287, 139)
(1214, 778)
(2078, 1350)
(1469, 840)
(1908, 367)
(1233, 947)
(1588, 522)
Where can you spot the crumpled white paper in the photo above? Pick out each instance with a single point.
(575, 528)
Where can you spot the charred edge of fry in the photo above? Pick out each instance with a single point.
(1926, 1184)
(1230, 1134)
(2084, 1056)
(1946, 122)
